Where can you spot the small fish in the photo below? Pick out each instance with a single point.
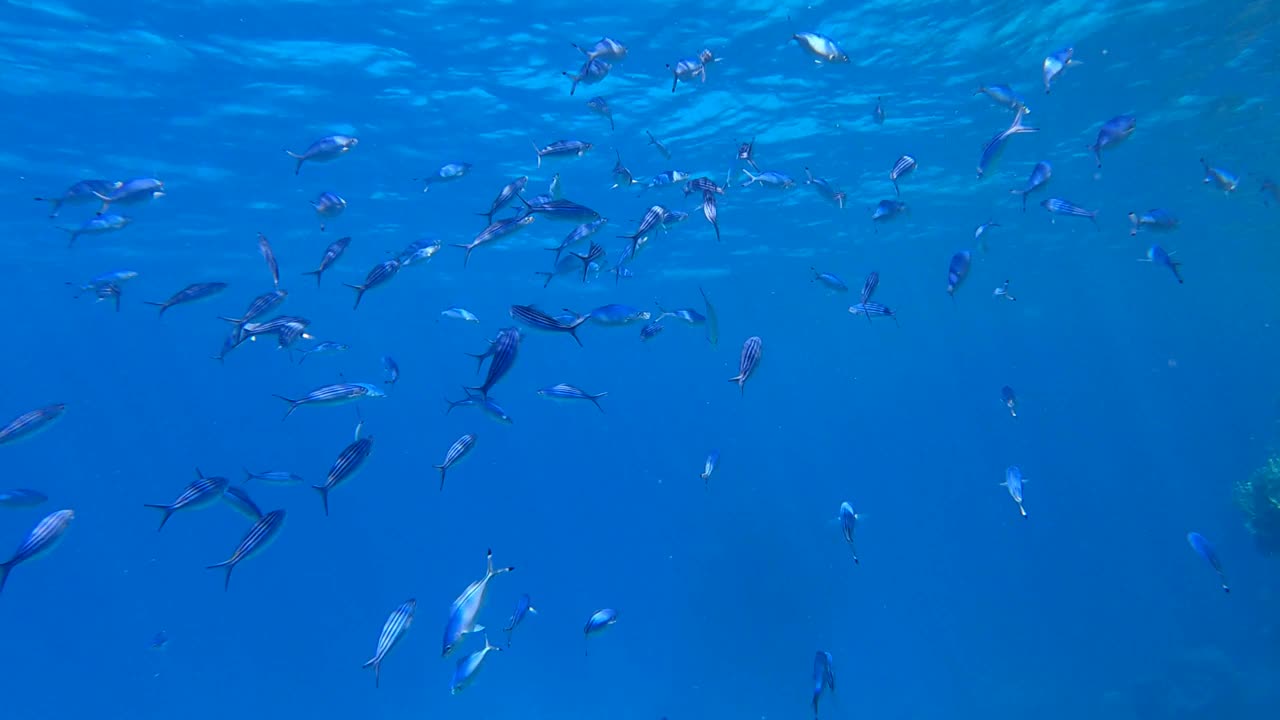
(670, 177)
(1005, 96)
(708, 467)
(40, 540)
(616, 314)
(1157, 255)
(869, 286)
(578, 234)
(747, 362)
(1225, 180)
(159, 640)
(258, 537)
(200, 493)
(524, 607)
(108, 285)
(903, 166)
(1113, 131)
(746, 153)
(562, 148)
(1013, 480)
(980, 231)
(564, 210)
(594, 252)
(258, 307)
(711, 212)
(502, 353)
(131, 192)
(539, 320)
(466, 608)
(457, 451)
(821, 47)
(1198, 543)
(1003, 291)
(1057, 63)
(826, 189)
(713, 324)
(238, 499)
(447, 173)
(957, 271)
(21, 498)
(622, 177)
(468, 667)
(599, 621)
(486, 404)
(1058, 206)
(348, 463)
(887, 210)
(418, 250)
(591, 72)
(830, 281)
(97, 226)
(264, 246)
(873, 309)
(509, 192)
(848, 523)
(877, 114)
(569, 392)
(457, 313)
(275, 477)
(191, 293)
(393, 629)
(769, 179)
(81, 193)
(605, 48)
(323, 150)
(823, 678)
(1156, 219)
(493, 232)
(331, 255)
(333, 395)
(690, 68)
(324, 348)
(328, 205)
(996, 143)
(30, 423)
(600, 106)
(1009, 399)
(378, 275)
(657, 144)
(1040, 175)
(391, 370)
(688, 315)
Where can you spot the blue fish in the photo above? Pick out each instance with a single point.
(823, 678)
(832, 282)
(1058, 206)
(81, 193)
(748, 361)
(239, 500)
(996, 143)
(569, 392)
(708, 467)
(848, 524)
(615, 314)
(21, 497)
(200, 493)
(902, 167)
(691, 67)
(31, 423)
(191, 293)
(393, 629)
(599, 621)
(97, 226)
(275, 477)
(592, 71)
(605, 48)
(1158, 256)
(1113, 131)
(466, 608)
(254, 541)
(349, 461)
(826, 189)
(958, 270)
(1057, 63)
(457, 451)
(600, 106)
(1005, 96)
(769, 179)
(1156, 219)
(328, 205)
(887, 210)
(524, 607)
(487, 404)
(391, 368)
(1205, 550)
(446, 173)
(42, 538)
(131, 192)
(1224, 179)
(821, 47)
(323, 150)
(468, 667)
(1013, 481)
(1009, 399)
(877, 114)
(1040, 175)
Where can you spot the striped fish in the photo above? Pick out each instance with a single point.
(502, 354)
(873, 309)
(563, 148)
(746, 153)
(652, 218)
(825, 189)
(657, 145)
(648, 331)
(258, 537)
(397, 625)
(747, 362)
(259, 307)
(505, 196)
(578, 234)
(457, 451)
(702, 184)
(1058, 206)
(332, 394)
(594, 253)
(239, 499)
(275, 477)
(539, 320)
(1040, 175)
(264, 247)
(997, 141)
(30, 423)
(200, 493)
(347, 464)
(711, 212)
(564, 210)
(622, 177)
(40, 540)
(380, 274)
(328, 205)
(331, 255)
(524, 606)
(190, 293)
(493, 232)
(869, 286)
(569, 392)
(466, 608)
(903, 166)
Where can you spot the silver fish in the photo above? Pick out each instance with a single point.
(747, 362)
(457, 451)
(258, 537)
(466, 608)
(393, 629)
(40, 540)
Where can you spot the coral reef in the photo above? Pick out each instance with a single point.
(1259, 498)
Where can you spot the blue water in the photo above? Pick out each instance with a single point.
(1142, 401)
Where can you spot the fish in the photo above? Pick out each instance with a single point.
(565, 210)
(333, 395)
(323, 150)
(446, 173)
(673, 217)
(486, 404)
(981, 230)
(258, 538)
(996, 143)
(21, 498)
(325, 347)
(1055, 64)
(1159, 256)
(509, 192)
(869, 286)
(823, 678)
(873, 309)
(468, 667)
(1013, 481)
(1270, 187)
(239, 500)
(562, 148)
(1010, 400)
(1005, 96)
(821, 47)
(524, 607)
(599, 621)
(502, 355)
(831, 282)
(1225, 180)
(957, 271)
(713, 323)
(1198, 543)
(688, 315)
(328, 205)
(848, 523)
(600, 106)
(1040, 175)
(592, 71)
(200, 493)
(264, 246)
(1058, 206)
(886, 210)
(605, 48)
(747, 362)
(457, 451)
(393, 630)
(81, 193)
(466, 608)
(493, 232)
(578, 234)
(657, 144)
(1003, 291)
(331, 255)
(877, 114)
(689, 68)
(391, 370)
(901, 167)
(826, 189)
(769, 179)
(418, 250)
(98, 225)
(569, 392)
(30, 423)
(107, 286)
(378, 275)
(1156, 219)
(1113, 131)
(708, 467)
(457, 313)
(275, 477)
(622, 177)
(670, 177)
(615, 314)
(650, 330)
(711, 212)
(258, 307)
(746, 154)
(348, 463)
(42, 538)
(159, 640)
(539, 320)
(130, 192)
(191, 293)
(594, 252)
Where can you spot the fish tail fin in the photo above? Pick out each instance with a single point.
(467, 255)
(1093, 216)
(229, 565)
(168, 513)
(443, 469)
(548, 277)
(298, 167)
(537, 150)
(318, 273)
(247, 475)
(162, 306)
(359, 294)
(5, 567)
(293, 405)
(1133, 220)
(595, 399)
(324, 496)
(675, 78)
(1096, 149)
(898, 192)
